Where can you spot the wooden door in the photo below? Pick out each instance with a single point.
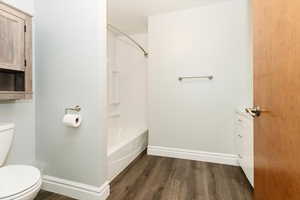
(12, 41)
(277, 91)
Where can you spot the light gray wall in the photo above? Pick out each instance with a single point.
(209, 40)
(71, 55)
(22, 113)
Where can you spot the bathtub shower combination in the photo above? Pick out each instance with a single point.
(127, 99)
(123, 148)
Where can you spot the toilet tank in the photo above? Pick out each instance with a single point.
(6, 137)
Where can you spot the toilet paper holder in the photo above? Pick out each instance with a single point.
(75, 108)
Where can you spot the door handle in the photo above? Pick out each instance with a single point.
(255, 111)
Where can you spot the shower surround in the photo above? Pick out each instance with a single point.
(127, 101)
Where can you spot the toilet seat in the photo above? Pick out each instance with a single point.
(18, 180)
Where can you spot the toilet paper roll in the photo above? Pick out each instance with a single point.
(72, 120)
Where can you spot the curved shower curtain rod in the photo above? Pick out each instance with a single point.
(113, 28)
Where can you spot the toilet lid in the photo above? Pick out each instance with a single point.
(15, 179)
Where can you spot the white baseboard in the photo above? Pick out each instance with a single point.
(219, 158)
(74, 189)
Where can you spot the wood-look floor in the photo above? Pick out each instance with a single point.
(157, 178)
(43, 195)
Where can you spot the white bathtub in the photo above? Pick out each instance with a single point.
(123, 147)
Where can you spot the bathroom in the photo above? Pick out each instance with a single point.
(146, 100)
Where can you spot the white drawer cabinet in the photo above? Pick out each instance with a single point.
(244, 143)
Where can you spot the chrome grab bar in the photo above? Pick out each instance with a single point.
(195, 77)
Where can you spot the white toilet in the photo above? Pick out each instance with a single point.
(17, 182)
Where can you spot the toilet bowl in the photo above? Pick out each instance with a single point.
(17, 182)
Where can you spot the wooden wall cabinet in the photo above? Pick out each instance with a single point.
(15, 53)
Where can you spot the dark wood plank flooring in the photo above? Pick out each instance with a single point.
(43, 195)
(157, 178)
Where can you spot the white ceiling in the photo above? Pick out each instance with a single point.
(131, 15)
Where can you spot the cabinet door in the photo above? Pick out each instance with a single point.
(238, 138)
(248, 164)
(244, 144)
(12, 42)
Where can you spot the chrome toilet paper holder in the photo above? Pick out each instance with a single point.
(75, 109)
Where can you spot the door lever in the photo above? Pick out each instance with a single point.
(255, 111)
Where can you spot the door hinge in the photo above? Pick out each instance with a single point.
(25, 63)
(25, 28)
